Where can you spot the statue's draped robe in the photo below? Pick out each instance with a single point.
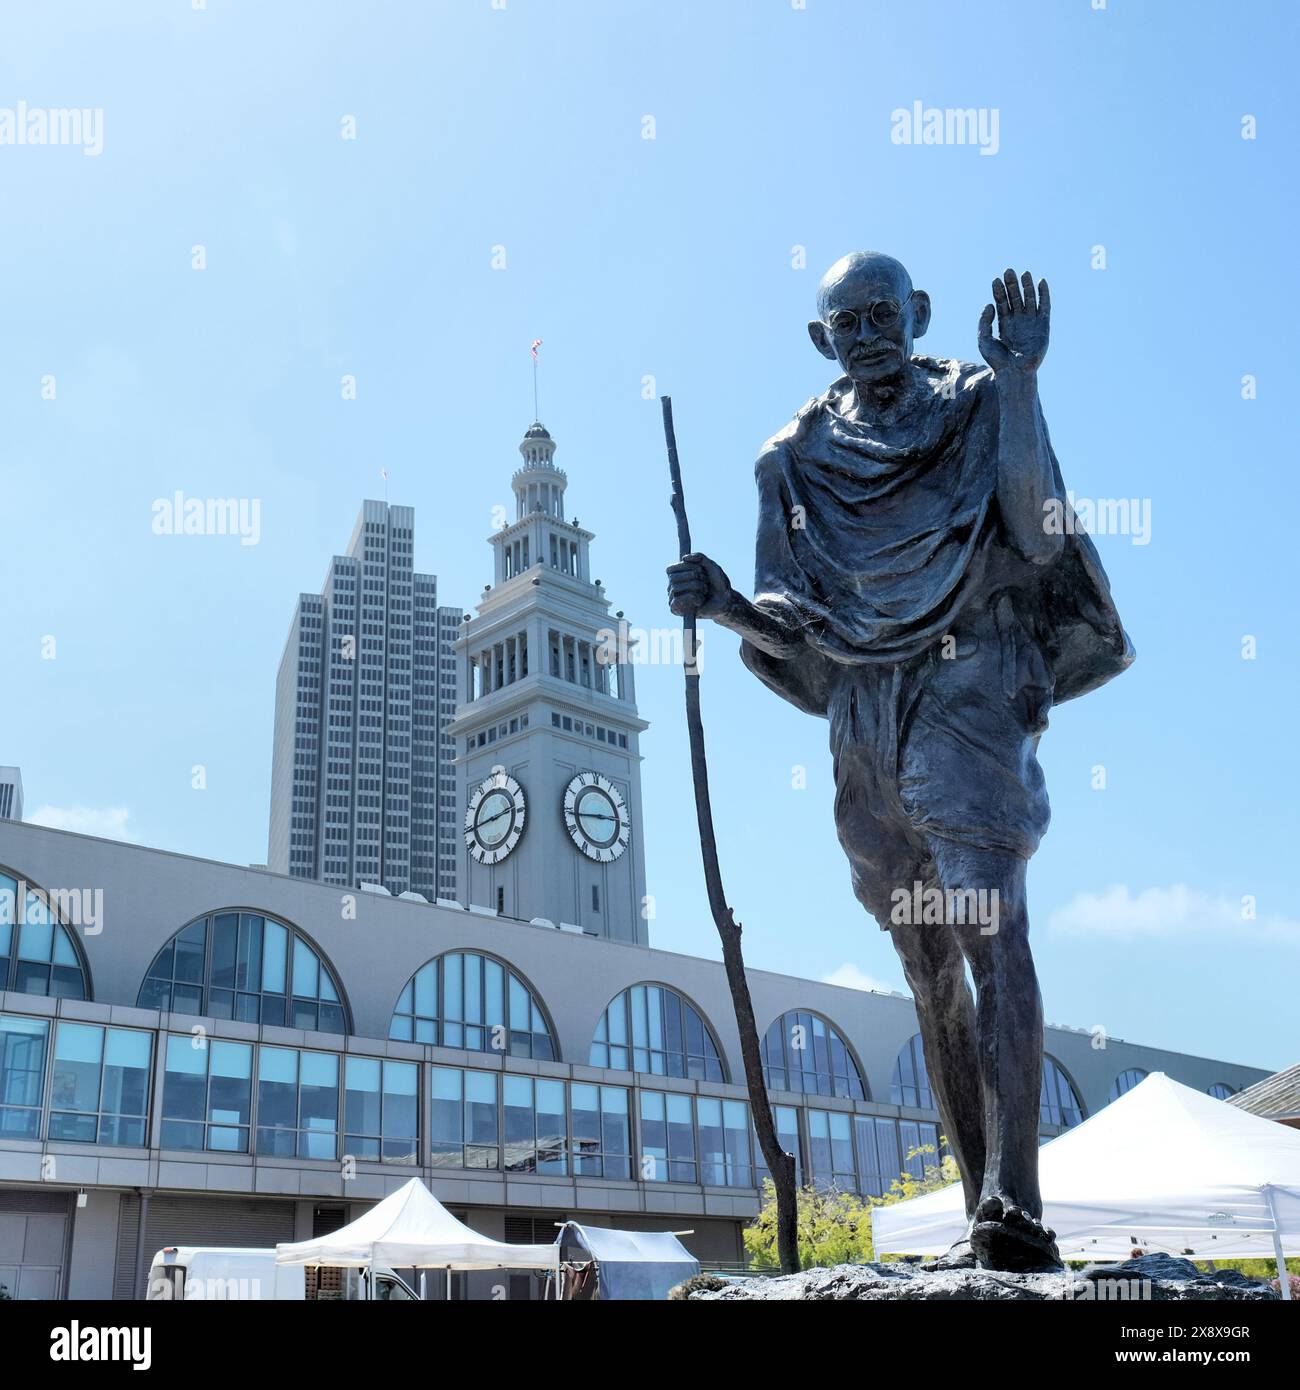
(932, 645)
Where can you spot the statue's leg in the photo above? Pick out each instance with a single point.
(935, 971)
(1009, 1031)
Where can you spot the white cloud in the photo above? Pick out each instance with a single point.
(108, 822)
(1177, 911)
(849, 976)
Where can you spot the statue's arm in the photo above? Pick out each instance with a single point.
(760, 627)
(1026, 478)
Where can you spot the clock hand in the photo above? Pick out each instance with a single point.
(478, 825)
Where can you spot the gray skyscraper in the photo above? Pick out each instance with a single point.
(11, 794)
(362, 784)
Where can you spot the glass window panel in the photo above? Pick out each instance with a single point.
(520, 1014)
(671, 1008)
(584, 1102)
(191, 947)
(362, 1101)
(518, 1135)
(426, 988)
(22, 1075)
(551, 1127)
(736, 1126)
(654, 1138)
(401, 1111)
(161, 969)
(453, 987)
(78, 1052)
(681, 1139)
(248, 966)
(473, 987)
(447, 1117)
(185, 1083)
(494, 982)
(128, 1055)
(617, 1016)
(225, 949)
(66, 983)
(713, 1148)
(275, 944)
(654, 1008)
(63, 952)
(306, 1013)
(277, 1098)
(637, 1008)
(616, 1131)
(306, 970)
(36, 937)
(182, 1134)
(221, 1003)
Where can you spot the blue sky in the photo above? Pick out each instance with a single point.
(674, 258)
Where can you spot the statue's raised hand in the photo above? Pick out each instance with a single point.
(1023, 324)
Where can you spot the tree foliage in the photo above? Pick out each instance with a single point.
(834, 1226)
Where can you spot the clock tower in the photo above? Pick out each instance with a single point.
(547, 760)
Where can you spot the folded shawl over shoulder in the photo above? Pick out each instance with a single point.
(874, 542)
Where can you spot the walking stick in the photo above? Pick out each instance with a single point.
(779, 1163)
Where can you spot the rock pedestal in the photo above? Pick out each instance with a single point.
(1151, 1278)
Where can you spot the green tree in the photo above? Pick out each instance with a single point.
(834, 1226)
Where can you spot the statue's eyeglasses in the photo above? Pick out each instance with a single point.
(884, 313)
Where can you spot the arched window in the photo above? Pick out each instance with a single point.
(1220, 1090)
(38, 953)
(246, 966)
(803, 1052)
(910, 1083)
(1125, 1081)
(651, 1028)
(1058, 1101)
(464, 999)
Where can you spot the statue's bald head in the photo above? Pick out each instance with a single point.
(867, 316)
(871, 271)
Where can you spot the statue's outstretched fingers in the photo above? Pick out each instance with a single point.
(1013, 292)
(1000, 299)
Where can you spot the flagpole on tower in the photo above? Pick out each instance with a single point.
(537, 342)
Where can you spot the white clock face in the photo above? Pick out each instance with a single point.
(596, 817)
(494, 820)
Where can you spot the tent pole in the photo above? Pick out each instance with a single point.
(1283, 1278)
(448, 1283)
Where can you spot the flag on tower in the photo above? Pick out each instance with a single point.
(537, 342)
(383, 473)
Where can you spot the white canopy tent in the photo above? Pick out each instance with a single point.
(411, 1229)
(1164, 1167)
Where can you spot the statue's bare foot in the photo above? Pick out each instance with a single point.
(960, 1255)
(1006, 1237)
